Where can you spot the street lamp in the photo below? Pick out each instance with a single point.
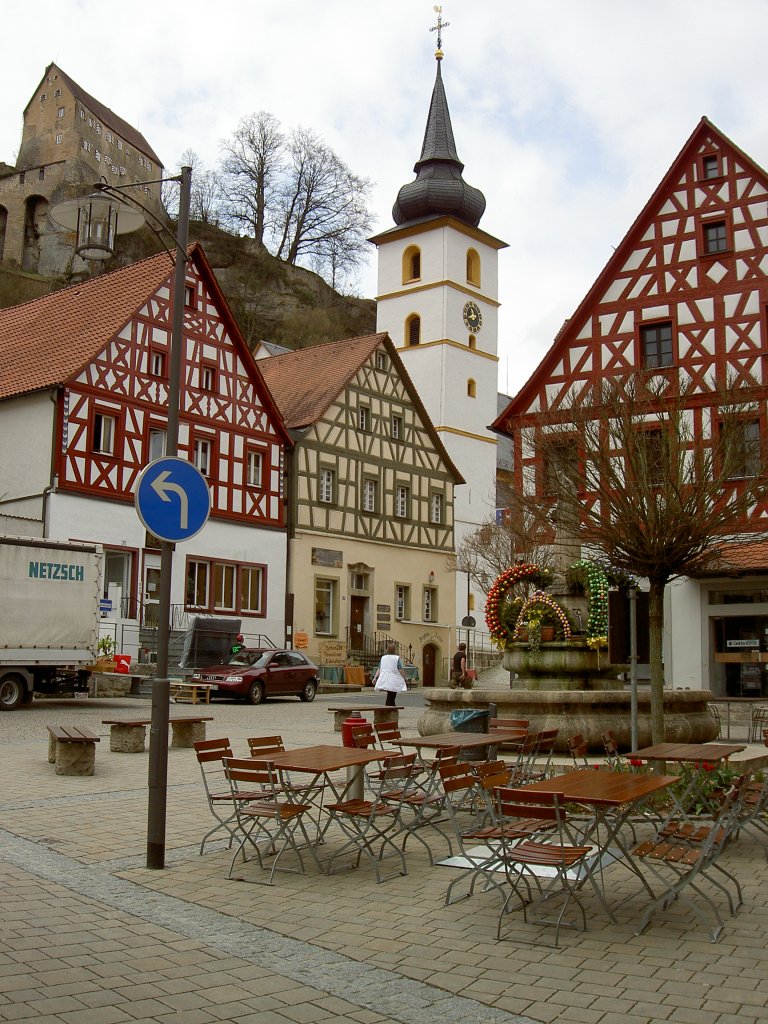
(97, 219)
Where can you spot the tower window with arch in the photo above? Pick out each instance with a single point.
(471, 388)
(413, 330)
(473, 267)
(411, 264)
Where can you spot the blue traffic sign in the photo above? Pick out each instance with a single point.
(172, 499)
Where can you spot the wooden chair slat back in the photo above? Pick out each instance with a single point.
(265, 745)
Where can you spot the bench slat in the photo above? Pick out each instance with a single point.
(72, 734)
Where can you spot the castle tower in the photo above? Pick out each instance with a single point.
(438, 301)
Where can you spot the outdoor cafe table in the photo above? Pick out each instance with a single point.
(324, 759)
(613, 797)
(696, 754)
(462, 740)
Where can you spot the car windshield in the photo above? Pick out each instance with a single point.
(246, 659)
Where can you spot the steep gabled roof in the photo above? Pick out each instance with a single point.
(47, 341)
(307, 381)
(107, 117)
(570, 329)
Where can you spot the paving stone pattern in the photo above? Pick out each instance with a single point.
(89, 935)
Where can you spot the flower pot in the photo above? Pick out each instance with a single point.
(547, 634)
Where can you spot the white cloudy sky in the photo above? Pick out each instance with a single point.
(566, 113)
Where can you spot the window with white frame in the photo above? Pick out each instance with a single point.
(327, 486)
(370, 495)
(226, 587)
(224, 594)
(208, 378)
(325, 607)
(156, 443)
(402, 501)
(252, 589)
(429, 608)
(104, 433)
(59, 137)
(364, 418)
(402, 601)
(158, 363)
(197, 584)
(254, 467)
(202, 453)
(397, 428)
(435, 507)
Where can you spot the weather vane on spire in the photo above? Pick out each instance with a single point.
(439, 29)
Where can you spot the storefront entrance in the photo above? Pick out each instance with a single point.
(740, 645)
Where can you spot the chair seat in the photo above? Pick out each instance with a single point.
(361, 808)
(545, 855)
(275, 809)
(516, 830)
(668, 852)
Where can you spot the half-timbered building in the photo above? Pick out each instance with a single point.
(83, 408)
(685, 297)
(371, 505)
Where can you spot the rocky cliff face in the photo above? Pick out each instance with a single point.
(270, 300)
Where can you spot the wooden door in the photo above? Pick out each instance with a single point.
(428, 663)
(357, 622)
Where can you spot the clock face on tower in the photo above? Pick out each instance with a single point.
(473, 318)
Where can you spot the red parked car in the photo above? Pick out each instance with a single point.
(264, 672)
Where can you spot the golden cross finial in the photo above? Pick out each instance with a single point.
(439, 29)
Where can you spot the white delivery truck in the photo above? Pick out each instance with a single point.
(49, 617)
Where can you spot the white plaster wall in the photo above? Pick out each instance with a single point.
(686, 636)
(26, 437)
(115, 523)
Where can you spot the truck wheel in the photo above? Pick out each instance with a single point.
(12, 692)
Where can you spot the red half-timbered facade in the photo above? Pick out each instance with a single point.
(85, 383)
(685, 296)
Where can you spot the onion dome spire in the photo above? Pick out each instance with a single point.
(438, 189)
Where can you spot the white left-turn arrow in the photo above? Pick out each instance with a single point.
(164, 490)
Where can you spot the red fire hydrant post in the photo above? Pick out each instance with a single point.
(354, 721)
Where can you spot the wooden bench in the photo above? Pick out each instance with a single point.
(72, 749)
(192, 693)
(380, 712)
(128, 735)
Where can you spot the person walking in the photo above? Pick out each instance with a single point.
(459, 674)
(389, 676)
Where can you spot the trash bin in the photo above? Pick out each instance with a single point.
(470, 719)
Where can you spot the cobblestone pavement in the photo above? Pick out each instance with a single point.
(89, 935)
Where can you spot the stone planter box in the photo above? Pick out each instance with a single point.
(686, 715)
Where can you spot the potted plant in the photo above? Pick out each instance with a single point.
(105, 650)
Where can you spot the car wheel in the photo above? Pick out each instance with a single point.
(255, 692)
(12, 693)
(309, 691)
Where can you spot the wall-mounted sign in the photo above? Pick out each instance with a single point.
(333, 652)
(328, 558)
(301, 640)
(752, 645)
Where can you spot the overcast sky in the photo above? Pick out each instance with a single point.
(566, 113)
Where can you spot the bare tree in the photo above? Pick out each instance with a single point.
(253, 169)
(522, 531)
(323, 204)
(669, 474)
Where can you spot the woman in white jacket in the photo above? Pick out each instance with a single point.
(389, 676)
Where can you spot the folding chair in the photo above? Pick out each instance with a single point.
(387, 733)
(521, 858)
(210, 755)
(578, 749)
(522, 768)
(262, 745)
(274, 822)
(422, 806)
(611, 747)
(541, 764)
(754, 805)
(369, 824)
(685, 854)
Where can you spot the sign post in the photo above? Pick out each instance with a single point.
(173, 503)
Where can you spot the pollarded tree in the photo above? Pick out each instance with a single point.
(657, 478)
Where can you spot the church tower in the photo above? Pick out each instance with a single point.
(437, 300)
